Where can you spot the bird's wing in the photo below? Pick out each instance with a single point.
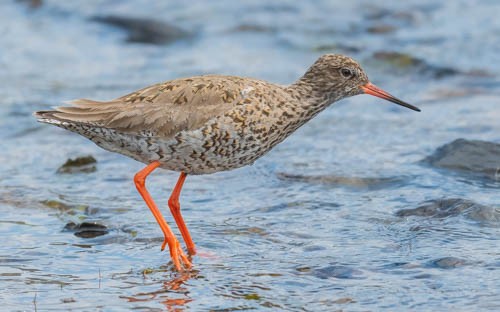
(162, 109)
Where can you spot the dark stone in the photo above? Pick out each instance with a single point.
(377, 14)
(381, 29)
(397, 59)
(351, 182)
(253, 28)
(404, 61)
(86, 229)
(336, 271)
(83, 164)
(451, 207)
(71, 209)
(70, 226)
(56, 205)
(422, 276)
(447, 263)
(144, 30)
(336, 48)
(479, 157)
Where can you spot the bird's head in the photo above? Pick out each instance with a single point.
(337, 76)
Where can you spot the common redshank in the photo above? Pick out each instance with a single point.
(207, 124)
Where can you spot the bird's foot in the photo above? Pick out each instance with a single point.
(179, 258)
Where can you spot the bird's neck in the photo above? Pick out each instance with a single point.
(310, 95)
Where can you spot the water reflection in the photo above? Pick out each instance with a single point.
(173, 294)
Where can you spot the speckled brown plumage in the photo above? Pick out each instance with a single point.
(209, 123)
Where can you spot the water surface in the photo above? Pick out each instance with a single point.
(314, 225)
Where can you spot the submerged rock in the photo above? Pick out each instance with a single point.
(144, 30)
(336, 48)
(381, 29)
(253, 28)
(479, 157)
(447, 263)
(407, 62)
(353, 182)
(451, 207)
(337, 271)
(382, 20)
(84, 164)
(374, 13)
(86, 229)
(66, 208)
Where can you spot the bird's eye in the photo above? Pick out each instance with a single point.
(346, 72)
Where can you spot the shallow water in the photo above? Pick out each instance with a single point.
(320, 223)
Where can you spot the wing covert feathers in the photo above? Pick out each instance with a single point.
(161, 109)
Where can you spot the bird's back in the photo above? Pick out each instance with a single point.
(163, 109)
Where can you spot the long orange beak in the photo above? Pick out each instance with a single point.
(372, 89)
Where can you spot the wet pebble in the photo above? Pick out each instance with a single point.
(145, 30)
(86, 229)
(405, 61)
(461, 155)
(85, 164)
(381, 29)
(422, 276)
(342, 300)
(378, 13)
(337, 271)
(253, 28)
(447, 263)
(353, 182)
(451, 207)
(336, 48)
(70, 209)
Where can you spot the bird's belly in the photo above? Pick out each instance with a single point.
(218, 146)
(195, 152)
(192, 152)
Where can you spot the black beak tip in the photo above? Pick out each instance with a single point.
(416, 109)
(408, 106)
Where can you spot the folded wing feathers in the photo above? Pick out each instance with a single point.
(161, 111)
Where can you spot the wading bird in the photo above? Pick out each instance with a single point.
(207, 124)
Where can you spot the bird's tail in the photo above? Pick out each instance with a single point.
(48, 117)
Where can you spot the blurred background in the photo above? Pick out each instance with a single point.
(370, 206)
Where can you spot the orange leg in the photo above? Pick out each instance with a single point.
(176, 252)
(175, 209)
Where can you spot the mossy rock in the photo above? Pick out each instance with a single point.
(84, 164)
